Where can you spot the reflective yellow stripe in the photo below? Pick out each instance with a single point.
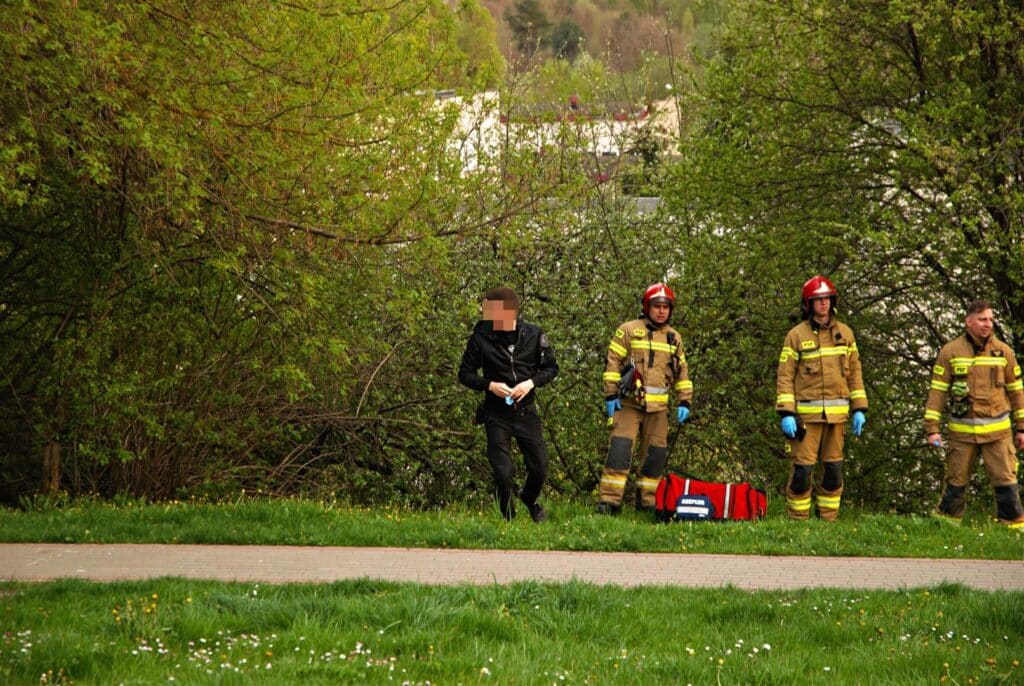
(682, 359)
(684, 386)
(1018, 414)
(825, 352)
(612, 480)
(932, 414)
(785, 398)
(798, 504)
(612, 376)
(829, 501)
(938, 370)
(616, 348)
(1016, 525)
(978, 361)
(940, 385)
(653, 345)
(855, 395)
(1016, 370)
(830, 411)
(1000, 425)
(657, 398)
(1015, 386)
(786, 353)
(648, 483)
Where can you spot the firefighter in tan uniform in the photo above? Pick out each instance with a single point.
(818, 385)
(649, 353)
(981, 379)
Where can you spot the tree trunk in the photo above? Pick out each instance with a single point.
(51, 467)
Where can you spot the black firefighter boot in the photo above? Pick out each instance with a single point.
(1008, 507)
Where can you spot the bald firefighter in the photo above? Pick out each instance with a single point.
(818, 385)
(979, 376)
(644, 368)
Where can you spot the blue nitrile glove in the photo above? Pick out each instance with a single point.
(682, 412)
(509, 400)
(611, 405)
(859, 420)
(789, 426)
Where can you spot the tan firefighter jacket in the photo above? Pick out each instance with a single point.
(819, 378)
(994, 397)
(658, 355)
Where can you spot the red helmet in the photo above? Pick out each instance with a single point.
(817, 287)
(658, 293)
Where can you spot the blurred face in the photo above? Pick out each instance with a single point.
(504, 317)
(659, 312)
(980, 324)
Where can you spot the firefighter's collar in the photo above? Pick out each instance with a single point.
(978, 346)
(816, 327)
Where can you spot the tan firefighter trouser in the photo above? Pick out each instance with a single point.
(652, 428)
(1000, 460)
(822, 442)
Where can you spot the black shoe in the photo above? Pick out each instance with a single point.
(608, 509)
(538, 513)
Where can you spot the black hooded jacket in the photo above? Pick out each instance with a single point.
(531, 358)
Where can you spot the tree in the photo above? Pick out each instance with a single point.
(186, 194)
(876, 142)
(567, 40)
(530, 26)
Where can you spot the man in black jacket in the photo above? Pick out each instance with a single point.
(513, 358)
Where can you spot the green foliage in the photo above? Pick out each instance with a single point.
(566, 40)
(529, 24)
(874, 143)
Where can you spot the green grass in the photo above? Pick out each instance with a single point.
(572, 526)
(524, 633)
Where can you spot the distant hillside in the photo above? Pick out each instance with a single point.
(618, 32)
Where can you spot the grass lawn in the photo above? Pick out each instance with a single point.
(169, 630)
(572, 526)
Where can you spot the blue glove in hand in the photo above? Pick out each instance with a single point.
(859, 420)
(789, 427)
(682, 412)
(611, 405)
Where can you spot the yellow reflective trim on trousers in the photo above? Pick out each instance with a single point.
(612, 376)
(798, 504)
(649, 483)
(657, 398)
(612, 480)
(1000, 425)
(856, 395)
(829, 501)
(684, 386)
(1016, 525)
(616, 348)
(940, 385)
(834, 351)
(932, 414)
(1015, 386)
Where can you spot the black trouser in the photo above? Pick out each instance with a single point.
(523, 425)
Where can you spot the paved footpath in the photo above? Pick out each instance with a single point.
(285, 564)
